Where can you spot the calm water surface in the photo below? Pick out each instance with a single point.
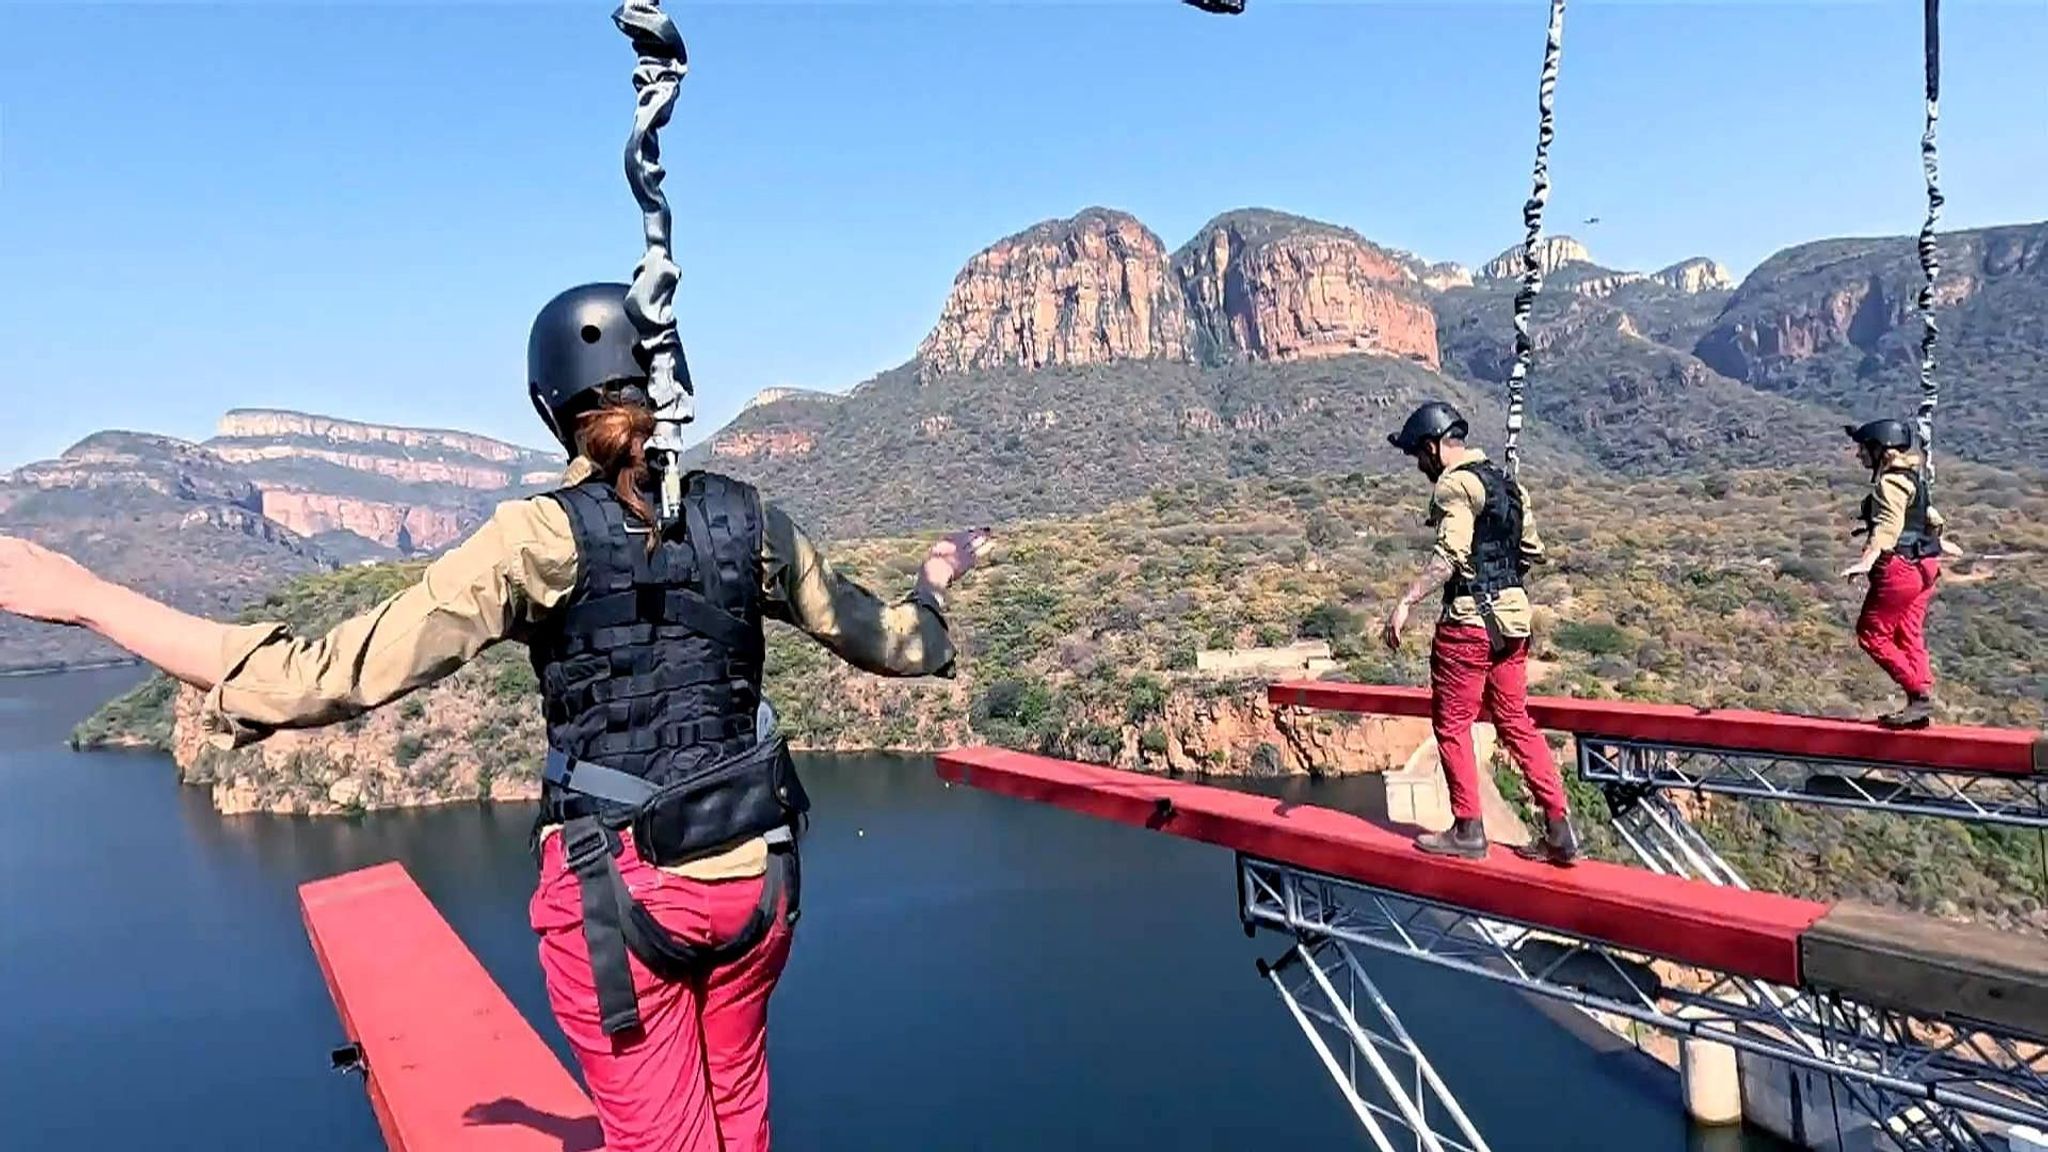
(970, 973)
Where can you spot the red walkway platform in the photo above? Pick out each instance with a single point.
(1896, 959)
(1952, 750)
(452, 1064)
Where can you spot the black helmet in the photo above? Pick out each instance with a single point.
(581, 341)
(1433, 421)
(1882, 434)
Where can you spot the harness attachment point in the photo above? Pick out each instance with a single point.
(348, 1058)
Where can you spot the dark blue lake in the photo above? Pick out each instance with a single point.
(970, 972)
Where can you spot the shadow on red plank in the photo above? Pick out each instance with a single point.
(1755, 934)
(452, 1064)
(1977, 751)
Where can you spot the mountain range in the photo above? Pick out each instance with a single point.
(1080, 362)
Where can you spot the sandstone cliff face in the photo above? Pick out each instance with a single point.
(255, 423)
(1818, 298)
(1266, 286)
(1695, 276)
(1445, 276)
(767, 396)
(163, 516)
(407, 528)
(1085, 290)
(1857, 313)
(1552, 253)
(130, 460)
(761, 444)
(409, 489)
(411, 471)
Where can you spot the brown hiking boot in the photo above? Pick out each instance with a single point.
(1918, 713)
(1559, 845)
(1466, 839)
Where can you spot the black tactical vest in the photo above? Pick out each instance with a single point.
(1917, 539)
(652, 667)
(650, 677)
(1497, 562)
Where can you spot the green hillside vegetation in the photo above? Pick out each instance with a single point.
(898, 455)
(1708, 592)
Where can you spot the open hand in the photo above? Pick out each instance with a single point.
(40, 584)
(1396, 621)
(956, 555)
(1854, 570)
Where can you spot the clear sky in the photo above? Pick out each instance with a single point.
(355, 208)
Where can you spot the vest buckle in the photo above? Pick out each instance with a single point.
(586, 842)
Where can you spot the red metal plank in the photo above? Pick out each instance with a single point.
(453, 1066)
(1752, 934)
(1962, 750)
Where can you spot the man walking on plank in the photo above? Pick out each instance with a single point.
(1480, 654)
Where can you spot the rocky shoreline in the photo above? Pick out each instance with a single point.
(458, 741)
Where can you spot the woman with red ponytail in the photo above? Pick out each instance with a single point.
(668, 825)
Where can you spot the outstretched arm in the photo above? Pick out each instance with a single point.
(485, 589)
(906, 638)
(46, 585)
(260, 677)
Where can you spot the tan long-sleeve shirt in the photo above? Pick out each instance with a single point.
(1454, 508)
(1891, 498)
(501, 581)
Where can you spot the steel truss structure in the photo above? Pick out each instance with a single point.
(1914, 1080)
(2020, 801)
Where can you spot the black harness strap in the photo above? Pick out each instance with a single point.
(614, 923)
(589, 846)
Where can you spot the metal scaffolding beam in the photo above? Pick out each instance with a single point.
(1922, 1082)
(2016, 801)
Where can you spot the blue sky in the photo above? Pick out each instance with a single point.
(355, 208)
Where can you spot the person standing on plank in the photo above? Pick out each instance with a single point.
(1480, 655)
(1902, 558)
(668, 884)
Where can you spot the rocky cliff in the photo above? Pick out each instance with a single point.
(135, 462)
(1269, 286)
(1696, 275)
(448, 744)
(412, 490)
(1835, 323)
(1552, 253)
(269, 424)
(1252, 285)
(404, 528)
(1085, 290)
(161, 515)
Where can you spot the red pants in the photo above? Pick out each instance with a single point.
(1463, 676)
(695, 1077)
(1892, 626)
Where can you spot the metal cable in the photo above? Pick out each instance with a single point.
(1532, 220)
(1930, 259)
(650, 301)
